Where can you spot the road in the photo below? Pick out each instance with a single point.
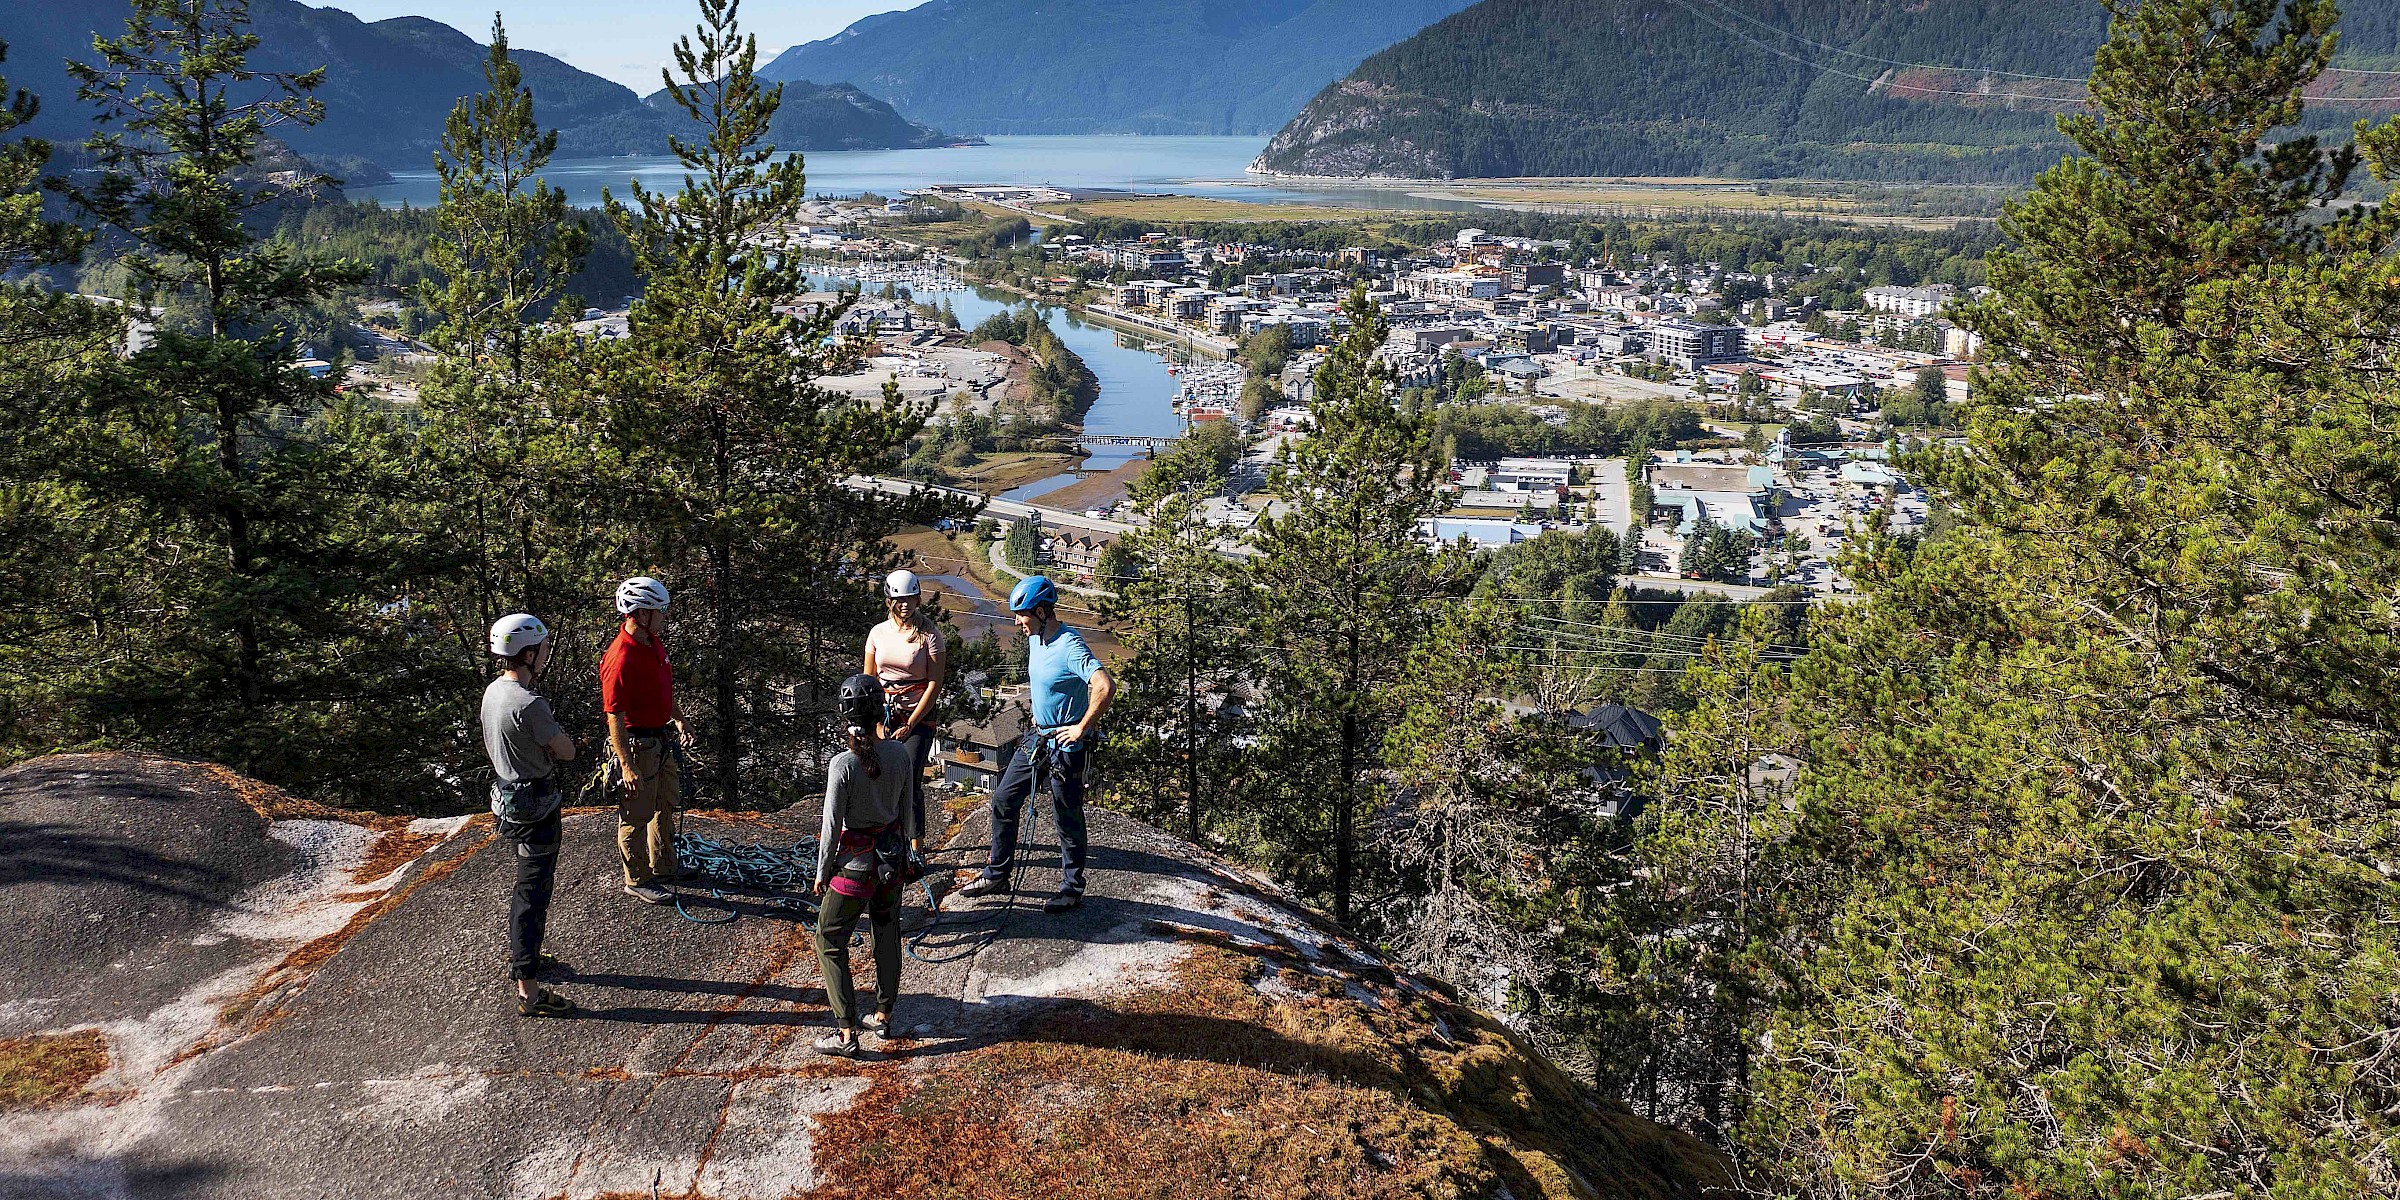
(1016, 510)
(1613, 492)
(1006, 510)
(1693, 587)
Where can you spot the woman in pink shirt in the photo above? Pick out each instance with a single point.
(906, 655)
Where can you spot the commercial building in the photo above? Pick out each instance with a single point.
(1910, 302)
(1692, 345)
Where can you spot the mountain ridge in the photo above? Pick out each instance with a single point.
(390, 85)
(1107, 66)
(1742, 88)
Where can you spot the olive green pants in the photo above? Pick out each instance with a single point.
(837, 919)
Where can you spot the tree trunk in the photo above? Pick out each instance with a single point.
(1343, 820)
(728, 697)
(729, 734)
(1191, 719)
(240, 556)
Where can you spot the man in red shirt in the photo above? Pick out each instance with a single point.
(638, 693)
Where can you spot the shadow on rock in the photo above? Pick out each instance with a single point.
(58, 854)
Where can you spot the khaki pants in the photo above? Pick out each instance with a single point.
(646, 819)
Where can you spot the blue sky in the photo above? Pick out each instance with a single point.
(625, 40)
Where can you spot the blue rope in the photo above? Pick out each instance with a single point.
(782, 875)
(1027, 834)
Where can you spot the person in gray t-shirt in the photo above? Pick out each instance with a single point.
(518, 729)
(525, 744)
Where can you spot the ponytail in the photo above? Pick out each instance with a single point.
(862, 744)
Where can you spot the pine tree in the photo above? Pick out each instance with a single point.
(729, 453)
(1346, 588)
(1455, 832)
(1706, 874)
(2089, 890)
(1181, 706)
(501, 454)
(51, 348)
(249, 578)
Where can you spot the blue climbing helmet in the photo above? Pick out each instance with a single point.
(1032, 593)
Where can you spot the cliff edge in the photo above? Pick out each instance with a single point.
(213, 989)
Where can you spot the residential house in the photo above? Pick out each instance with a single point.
(972, 754)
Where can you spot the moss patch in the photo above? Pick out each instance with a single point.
(49, 1068)
(1341, 1083)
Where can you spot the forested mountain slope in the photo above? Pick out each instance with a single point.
(390, 84)
(1108, 66)
(1755, 88)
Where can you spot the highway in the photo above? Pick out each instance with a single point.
(1004, 510)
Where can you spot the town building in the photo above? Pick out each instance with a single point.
(1910, 302)
(1732, 496)
(1693, 345)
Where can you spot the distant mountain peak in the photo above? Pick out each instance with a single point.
(1107, 66)
(390, 85)
(1861, 89)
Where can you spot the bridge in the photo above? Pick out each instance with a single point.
(1111, 439)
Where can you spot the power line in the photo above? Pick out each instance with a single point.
(1889, 62)
(1870, 81)
(1873, 82)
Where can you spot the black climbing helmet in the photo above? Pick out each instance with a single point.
(861, 701)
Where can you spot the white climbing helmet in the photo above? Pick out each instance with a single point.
(640, 592)
(901, 584)
(517, 632)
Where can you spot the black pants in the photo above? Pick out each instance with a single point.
(1041, 764)
(918, 741)
(536, 847)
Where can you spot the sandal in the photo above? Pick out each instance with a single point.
(836, 1046)
(544, 1003)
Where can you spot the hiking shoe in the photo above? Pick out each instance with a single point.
(915, 920)
(836, 1046)
(649, 893)
(1063, 902)
(550, 964)
(983, 885)
(876, 1022)
(544, 1003)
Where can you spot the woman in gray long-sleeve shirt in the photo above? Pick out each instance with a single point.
(862, 852)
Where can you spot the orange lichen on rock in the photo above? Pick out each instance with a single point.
(273, 802)
(46, 1069)
(1211, 1087)
(392, 850)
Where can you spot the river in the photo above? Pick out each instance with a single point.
(1137, 393)
(1191, 166)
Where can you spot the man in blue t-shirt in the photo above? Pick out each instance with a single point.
(1070, 691)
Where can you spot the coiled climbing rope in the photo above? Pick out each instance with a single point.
(779, 876)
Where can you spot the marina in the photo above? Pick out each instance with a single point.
(1144, 385)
